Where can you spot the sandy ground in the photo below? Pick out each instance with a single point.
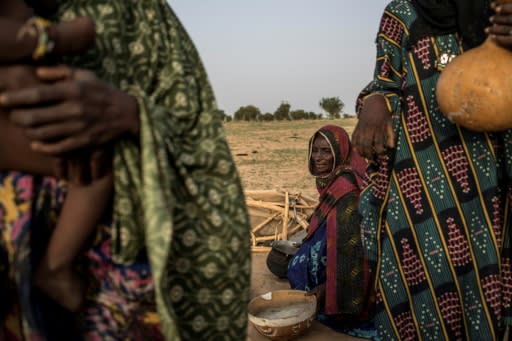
(264, 281)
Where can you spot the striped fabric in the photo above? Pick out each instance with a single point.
(437, 212)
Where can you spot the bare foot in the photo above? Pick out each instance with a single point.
(62, 286)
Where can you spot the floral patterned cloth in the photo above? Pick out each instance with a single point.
(178, 208)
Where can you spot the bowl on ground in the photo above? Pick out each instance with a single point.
(282, 314)
(280, 255)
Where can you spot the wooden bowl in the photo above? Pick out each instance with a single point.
(282, 314)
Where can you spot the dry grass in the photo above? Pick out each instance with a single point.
(274, 154)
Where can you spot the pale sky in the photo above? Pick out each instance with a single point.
(268, 51)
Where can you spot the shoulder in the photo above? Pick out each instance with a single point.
(398, 13)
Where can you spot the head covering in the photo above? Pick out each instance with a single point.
(334, 186)
(437, 17)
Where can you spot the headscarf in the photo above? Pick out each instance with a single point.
(332, 188)
(437, 17)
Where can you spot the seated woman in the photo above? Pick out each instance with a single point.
(330, 262)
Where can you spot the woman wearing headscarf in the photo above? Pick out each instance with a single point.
(171, 260)
(330, 262)
(436, 216)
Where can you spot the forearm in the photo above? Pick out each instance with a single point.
(15, 152)
(126, 113)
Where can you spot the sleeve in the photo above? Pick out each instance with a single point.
(353, 277)
(389, 72)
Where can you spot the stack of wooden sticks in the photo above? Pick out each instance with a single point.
(277, 215)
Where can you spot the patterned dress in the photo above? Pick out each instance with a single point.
(173, 260)
(437, 213)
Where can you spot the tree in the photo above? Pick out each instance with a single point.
(247, 113)
(332, 105)
(312, 116)
(282, 112)
(298, 114)
(222, 115)
(267, 117)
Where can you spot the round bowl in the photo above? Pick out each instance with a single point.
(278, 258)
(282, 314)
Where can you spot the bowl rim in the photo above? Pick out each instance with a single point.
(307, 313)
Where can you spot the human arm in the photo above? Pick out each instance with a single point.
(15, 153)
(19, 39)
(377, 103)
(76, 110)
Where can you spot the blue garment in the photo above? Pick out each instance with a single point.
(307, 270)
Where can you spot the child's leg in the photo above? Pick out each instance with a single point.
(82, 211)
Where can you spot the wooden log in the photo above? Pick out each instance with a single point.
(308, 198)
(261, 204)
(284, 233)
(265, 195)
(294, 229)
(302, 222)
(265, 238)
(305, 206)
(265, 222)
(261, 249)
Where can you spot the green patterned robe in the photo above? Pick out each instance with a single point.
(177, 192)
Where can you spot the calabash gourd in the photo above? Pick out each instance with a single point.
(475, 88)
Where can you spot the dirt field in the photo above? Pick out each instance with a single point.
(270, 155)
(274, 154)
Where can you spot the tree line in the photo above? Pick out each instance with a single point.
(333, 106)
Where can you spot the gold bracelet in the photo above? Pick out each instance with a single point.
(38, 27)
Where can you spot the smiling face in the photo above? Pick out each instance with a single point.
(321, 156)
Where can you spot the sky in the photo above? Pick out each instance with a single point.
(268, 51)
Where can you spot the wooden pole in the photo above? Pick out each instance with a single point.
(260, 204)
(295, 229)
(265, 222)
(261, 249)
(284, 233)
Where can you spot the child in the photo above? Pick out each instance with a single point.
(23, 41)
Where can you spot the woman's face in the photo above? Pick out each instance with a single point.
(322, 156)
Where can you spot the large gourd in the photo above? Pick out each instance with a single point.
(475, 88)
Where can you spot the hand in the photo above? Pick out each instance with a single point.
(501, 29)
(374, 130)
(76, 110)
(319, 292)
(15, 77)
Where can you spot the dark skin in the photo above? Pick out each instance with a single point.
(322, 157)
(70, 38)
(75, 112)
(85, 113)
(373, 134)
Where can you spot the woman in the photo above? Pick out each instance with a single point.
(330, 262)
(163, 264)
(436, 218)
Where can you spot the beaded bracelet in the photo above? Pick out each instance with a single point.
(37, 26)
